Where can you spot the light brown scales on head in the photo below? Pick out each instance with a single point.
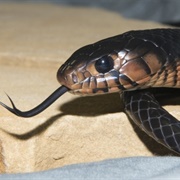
(169, 77)
(142, 67)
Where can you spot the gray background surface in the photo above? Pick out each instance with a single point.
(166, 11)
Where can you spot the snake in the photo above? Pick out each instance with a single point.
(131, 64)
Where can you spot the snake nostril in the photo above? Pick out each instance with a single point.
(74, 78)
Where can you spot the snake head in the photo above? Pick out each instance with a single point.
(91, 69)
(111, 65)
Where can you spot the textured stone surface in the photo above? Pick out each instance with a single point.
(35, 40)
(2, 160)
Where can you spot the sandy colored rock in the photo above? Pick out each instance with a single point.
(2, 161)
(35, 39)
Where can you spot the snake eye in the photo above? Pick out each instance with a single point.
(104, 64)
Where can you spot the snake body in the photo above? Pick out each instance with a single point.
(146, 112)
(131, 64)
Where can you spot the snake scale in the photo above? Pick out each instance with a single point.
(130, 63)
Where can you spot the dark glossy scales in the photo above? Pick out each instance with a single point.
(147, 113)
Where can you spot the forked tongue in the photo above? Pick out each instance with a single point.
(38, 109)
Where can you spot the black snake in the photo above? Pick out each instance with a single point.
(131, 63)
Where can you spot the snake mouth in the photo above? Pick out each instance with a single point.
(38, 109)
(89, 91)
(93, 91)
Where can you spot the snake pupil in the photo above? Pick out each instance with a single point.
(104, 64)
